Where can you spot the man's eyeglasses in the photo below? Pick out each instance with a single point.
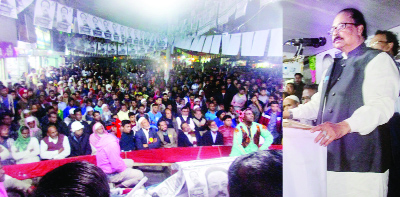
(340, 27)
(376, 42)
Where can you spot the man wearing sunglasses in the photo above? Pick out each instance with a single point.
(355, 100)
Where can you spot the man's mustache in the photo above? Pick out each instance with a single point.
(337, 38)
(221, 194)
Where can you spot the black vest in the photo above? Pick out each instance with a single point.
(342, 95)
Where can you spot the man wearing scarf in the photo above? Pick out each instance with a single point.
(146, 137)
(26, 148)
(248, 133)
(108, 158)
(168, 136)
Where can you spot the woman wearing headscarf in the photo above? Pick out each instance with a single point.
(88, 116)
(25, 114)
(34, 130)
(109, 160)
(26, 148)
(106, 116)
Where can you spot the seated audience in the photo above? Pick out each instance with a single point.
(62, 128)
(211, 114)
(213, 136)
(200, 122)
(142, 113)
(55, 145)
(168, 136)
(227, 130)
(71, 116)
(127, 142)
(79, 140)
(187, 137)
(78, 117)
(169, 119)
(272, 119)
(106, 116)
(26, 148)
(146, 137)
(134, 126)
(154, 115)
(5, 146)
(218, 119)
(13, 126)
(185, 118)
(123, 113)
(109, 159)
(34, 130)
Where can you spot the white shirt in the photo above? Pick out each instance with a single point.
(379, 92)
(146, 133)
(191, 139)
(214, 136)
(45, 154)
(191, 123)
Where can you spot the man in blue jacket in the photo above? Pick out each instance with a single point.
(146, 137)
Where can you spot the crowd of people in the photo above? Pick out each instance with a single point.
(62, 112)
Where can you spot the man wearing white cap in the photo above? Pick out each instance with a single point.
(40, 88)
(79, 118)
(146, 137)
(79, 140)
(71, 117)
(290, 102)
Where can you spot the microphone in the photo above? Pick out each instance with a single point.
(315, 42)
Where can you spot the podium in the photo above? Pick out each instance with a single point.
(304, 162)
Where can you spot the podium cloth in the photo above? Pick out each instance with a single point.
(304, 164)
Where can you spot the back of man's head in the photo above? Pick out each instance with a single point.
(74, 179)
(256, 174)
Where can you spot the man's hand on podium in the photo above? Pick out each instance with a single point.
(330, 131)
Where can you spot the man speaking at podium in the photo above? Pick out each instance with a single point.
(354, 102)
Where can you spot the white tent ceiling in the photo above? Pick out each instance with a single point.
(313, 18)
(147, 15)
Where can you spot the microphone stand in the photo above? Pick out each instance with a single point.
(299, 51)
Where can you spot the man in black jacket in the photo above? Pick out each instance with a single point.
(79, 140)
(60, 125)
(213, 136)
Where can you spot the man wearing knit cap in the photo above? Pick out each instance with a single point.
(79, 140)
(23, 103)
